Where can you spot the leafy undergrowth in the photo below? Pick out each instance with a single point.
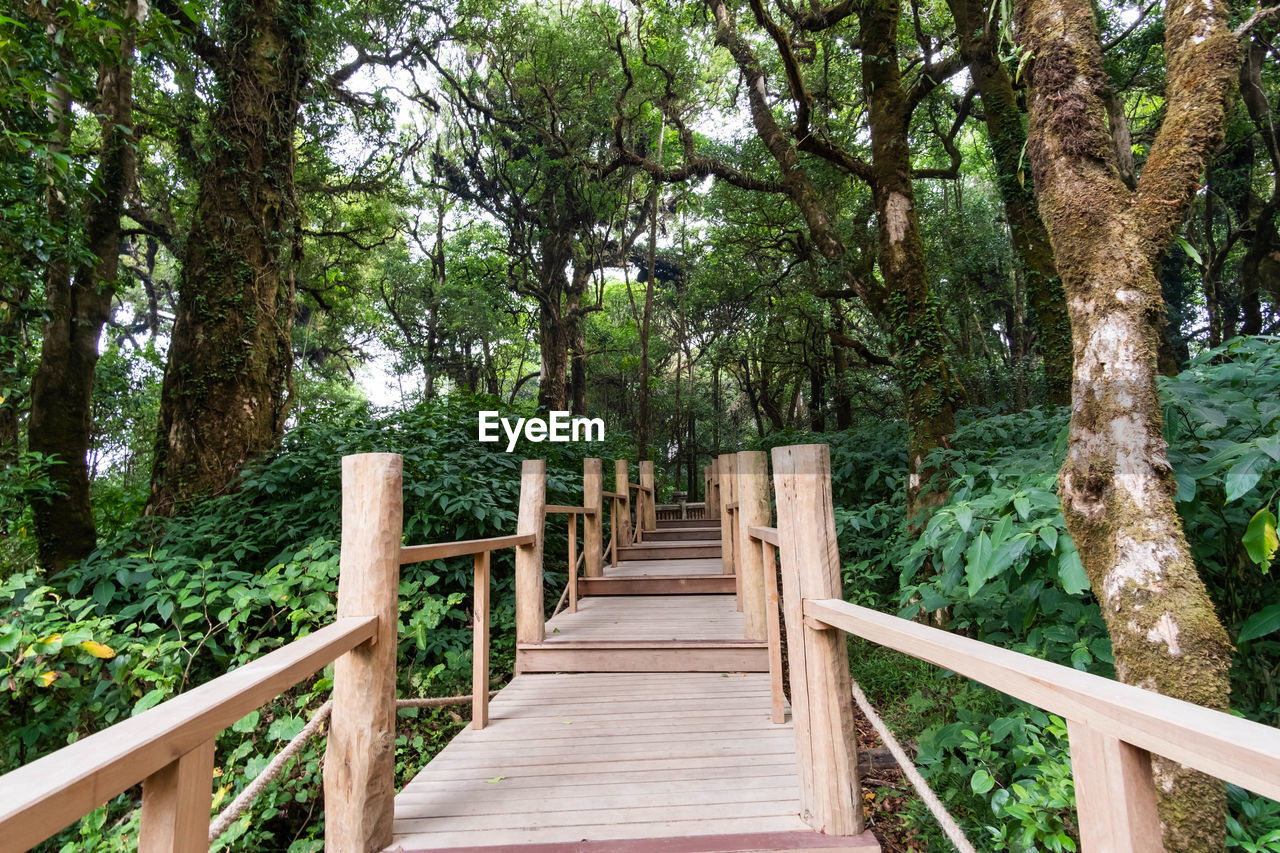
(166, 605)
(995, 561)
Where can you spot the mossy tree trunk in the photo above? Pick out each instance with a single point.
(1116, 485)
(78, 305)
(227, 382)
(907, 310)
(1007, 136)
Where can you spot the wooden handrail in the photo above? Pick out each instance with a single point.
(764, 534)
(731, 505)
(638, 487)
(441, 550)
(565, 510)
(1240, 751)
(47, 795)
(615, 495)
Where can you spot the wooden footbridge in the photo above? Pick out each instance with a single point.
(646, 715)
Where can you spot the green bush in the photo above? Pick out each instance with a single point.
(167, 604)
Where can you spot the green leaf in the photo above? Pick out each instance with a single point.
(977, 562)
(1265, 621)
(1261, 540)
(1189, 249)
(1245, 473)
(153, 698)
(1071, 572)
(981, 782)
(1022, 504)
(247, 723)
(1049, 533)
(964, 517)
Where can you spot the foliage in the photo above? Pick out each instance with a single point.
(168, 604)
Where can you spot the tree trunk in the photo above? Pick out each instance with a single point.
(1116, 485)
(930, 391)
(1007, 138)
(78, 307)
(553, 338)
(228, 379)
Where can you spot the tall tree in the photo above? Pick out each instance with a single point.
(78, 295)
(1116, 484)
(226, 386)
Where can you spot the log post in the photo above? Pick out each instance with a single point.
(593, 522)
(621, 485)
(613, 532)
(821, 691)
(713, 489)
(175, 804)
(359, 767)
(480, 643)
(573, 562)
(726, 468)
(768, 556)
(530, 619)
(752, 486)
(1115, 794)
(651, 496)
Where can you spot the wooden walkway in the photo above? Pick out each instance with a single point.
(640, 723)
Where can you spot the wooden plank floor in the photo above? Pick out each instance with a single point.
(608, 756)
(649, 617)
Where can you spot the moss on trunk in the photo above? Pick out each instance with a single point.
(1116, 484)
(226, 386)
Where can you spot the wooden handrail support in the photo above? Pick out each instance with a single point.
(593, 525)
(464, 547)
(649, 484)
(617, 496)
(1112, 726)
(47, 795)
(767, 539)
(553, 509)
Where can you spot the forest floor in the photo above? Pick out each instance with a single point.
(885, 796)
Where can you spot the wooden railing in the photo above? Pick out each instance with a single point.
(170, 748)
(680, 511)
(1113, 728)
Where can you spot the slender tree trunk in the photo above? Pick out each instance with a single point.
(553, 340)
(78, 307)
(576, 317)
(228, 380)
(642, 428)
(1116, 485)
(1007, 138)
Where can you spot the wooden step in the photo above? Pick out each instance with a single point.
(659, 585)
(555, 655)
(685, 523)
(669, 550)
(745, 842)
(683, 534)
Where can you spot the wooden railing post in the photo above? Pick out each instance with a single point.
(613, 532)
(359, 767)
(651, 496)
(622, 485)
(175, 804)
(593, 521)
(1115, 794)
(713, 489)
(773, 626)
(530, 621)
(480, 643)
(753, 511)
(573, 562)
(726, 468)
(821, 691)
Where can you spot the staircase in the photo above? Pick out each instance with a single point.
(667, 606)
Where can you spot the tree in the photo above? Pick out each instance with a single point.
(1116, 484)
(78, 296)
